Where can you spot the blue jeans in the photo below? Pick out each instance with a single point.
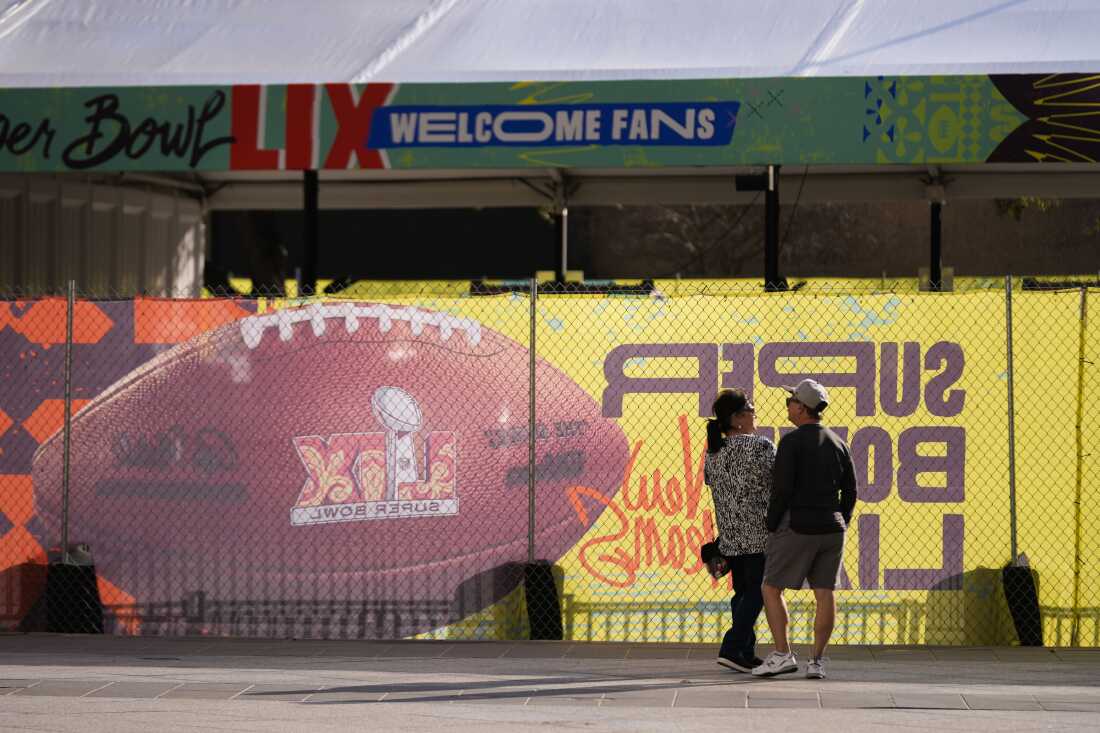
(748, 575)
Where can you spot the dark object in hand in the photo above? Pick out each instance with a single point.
(714, 560)
(718, 567)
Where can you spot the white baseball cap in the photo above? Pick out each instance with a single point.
(809, 393)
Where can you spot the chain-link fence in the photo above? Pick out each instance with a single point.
(499, 460)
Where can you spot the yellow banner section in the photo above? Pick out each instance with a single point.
(1087, 555)
(1047, 339)
(918, 385)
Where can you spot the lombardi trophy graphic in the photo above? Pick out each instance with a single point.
(397, 412)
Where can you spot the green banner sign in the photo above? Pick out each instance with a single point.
(837, 121)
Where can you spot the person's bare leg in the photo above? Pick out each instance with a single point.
(824, 618)
(775, 608)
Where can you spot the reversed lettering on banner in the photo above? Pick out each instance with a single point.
(362, 511)
(655, 520)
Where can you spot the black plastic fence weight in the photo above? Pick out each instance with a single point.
(543, 604)
(1023, 604)
(73, 605)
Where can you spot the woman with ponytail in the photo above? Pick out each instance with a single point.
(738, 470)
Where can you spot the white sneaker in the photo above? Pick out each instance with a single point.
(776, 663)
(815, 670)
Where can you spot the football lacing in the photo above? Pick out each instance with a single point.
(252, 329)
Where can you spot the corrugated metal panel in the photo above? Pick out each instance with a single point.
(9, 241)
(190, 243)
(129, 246)
(113, 241)
(158, 253)
(69, 249)
(38, 245)
(99, 273)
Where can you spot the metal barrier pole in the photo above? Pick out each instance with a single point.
(66, 438)
(531, 426)
(771, 231)
(1011, 421)
(1073, 639)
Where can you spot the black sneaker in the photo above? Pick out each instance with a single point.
(739, 664)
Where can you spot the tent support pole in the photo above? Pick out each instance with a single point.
(772, 281)
(561, 231)
(310, 238)
(935, 273)
(561, 225)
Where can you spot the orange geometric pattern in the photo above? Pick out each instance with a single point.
(44, 322)
(122, 604)
(48, 418)
(17, 498)
(159, 321)
(19, 546)
(5, 422)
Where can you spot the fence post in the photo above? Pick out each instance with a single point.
(533, 315)
(1011, 421)
(70, 306)
(1080, 469)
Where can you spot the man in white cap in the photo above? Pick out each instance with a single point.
(813, 495)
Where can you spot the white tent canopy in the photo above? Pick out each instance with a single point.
(65, 43)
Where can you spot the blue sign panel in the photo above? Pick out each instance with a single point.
(661, 123)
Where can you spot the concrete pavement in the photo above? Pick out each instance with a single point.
(117, 684)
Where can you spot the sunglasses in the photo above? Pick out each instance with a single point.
(791, 400)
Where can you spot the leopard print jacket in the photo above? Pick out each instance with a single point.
(740, 479)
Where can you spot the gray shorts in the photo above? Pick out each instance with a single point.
(792, 560)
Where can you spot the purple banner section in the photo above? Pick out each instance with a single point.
(32, 368)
